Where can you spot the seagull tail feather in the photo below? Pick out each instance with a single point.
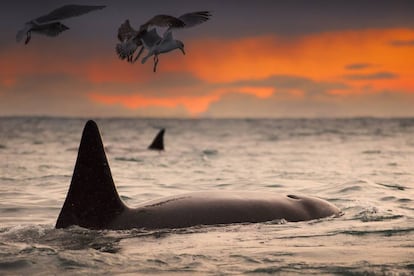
(125, 49)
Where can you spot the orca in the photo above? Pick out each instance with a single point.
(158, 142)
(93, 202)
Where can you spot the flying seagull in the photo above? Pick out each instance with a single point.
(49, 24)
(165, 45)
(148, 38)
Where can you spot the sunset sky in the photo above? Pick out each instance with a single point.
(252, 59)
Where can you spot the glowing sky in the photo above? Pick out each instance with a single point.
(252, 59)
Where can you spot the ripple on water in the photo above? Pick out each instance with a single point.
(353, 188)
(210, 152)
(371, 152)
(388, 198)
(14, 265)
(11, 210)
(381, 232)
(404, 200)
(393, 186)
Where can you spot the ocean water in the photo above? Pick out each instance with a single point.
(365, 166)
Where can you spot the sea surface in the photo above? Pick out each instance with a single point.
(365, 166)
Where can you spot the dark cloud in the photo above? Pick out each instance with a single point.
(399, 43)
(189, 85)
(358, 66)
(314, 102)
(171, 80)
(384, 104)
(62, 95)
(45, 85)
(247, 106)
(310, 87)
(231, 18)
(299, 17)
(161, 84)
(371, 76)
(43, 94)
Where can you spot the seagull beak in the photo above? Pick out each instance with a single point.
(182, 50)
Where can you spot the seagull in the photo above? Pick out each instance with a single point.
(132, 39)
(148, 38)
(49, 24)
(164, 45)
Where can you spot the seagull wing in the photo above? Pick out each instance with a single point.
(51, 29)
(184, 21)
(66, 11)
(194, 18)
(150, 38)
(126, 32)
(163, 20)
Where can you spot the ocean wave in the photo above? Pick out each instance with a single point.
(7, 179)
(343, 161)
(404, 200)
(129, 159)
(354, 188)
(371, 152)
(359, 268)
(381, 232)
(210, 152)
(373, 214)
(11, 265)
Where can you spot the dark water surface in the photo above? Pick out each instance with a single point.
(364, 166)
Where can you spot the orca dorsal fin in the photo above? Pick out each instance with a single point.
(158, 142)
(92, 200)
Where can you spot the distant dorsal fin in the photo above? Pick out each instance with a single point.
(92, 200)
(158, 142)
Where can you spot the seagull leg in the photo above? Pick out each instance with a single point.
(155, 62)
(28, 37)
(139, 53)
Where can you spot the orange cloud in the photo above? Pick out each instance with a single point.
(259, 92)
(320, 57)
(8, 82)
(194, 104)
(104, 68)
(220, 64)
